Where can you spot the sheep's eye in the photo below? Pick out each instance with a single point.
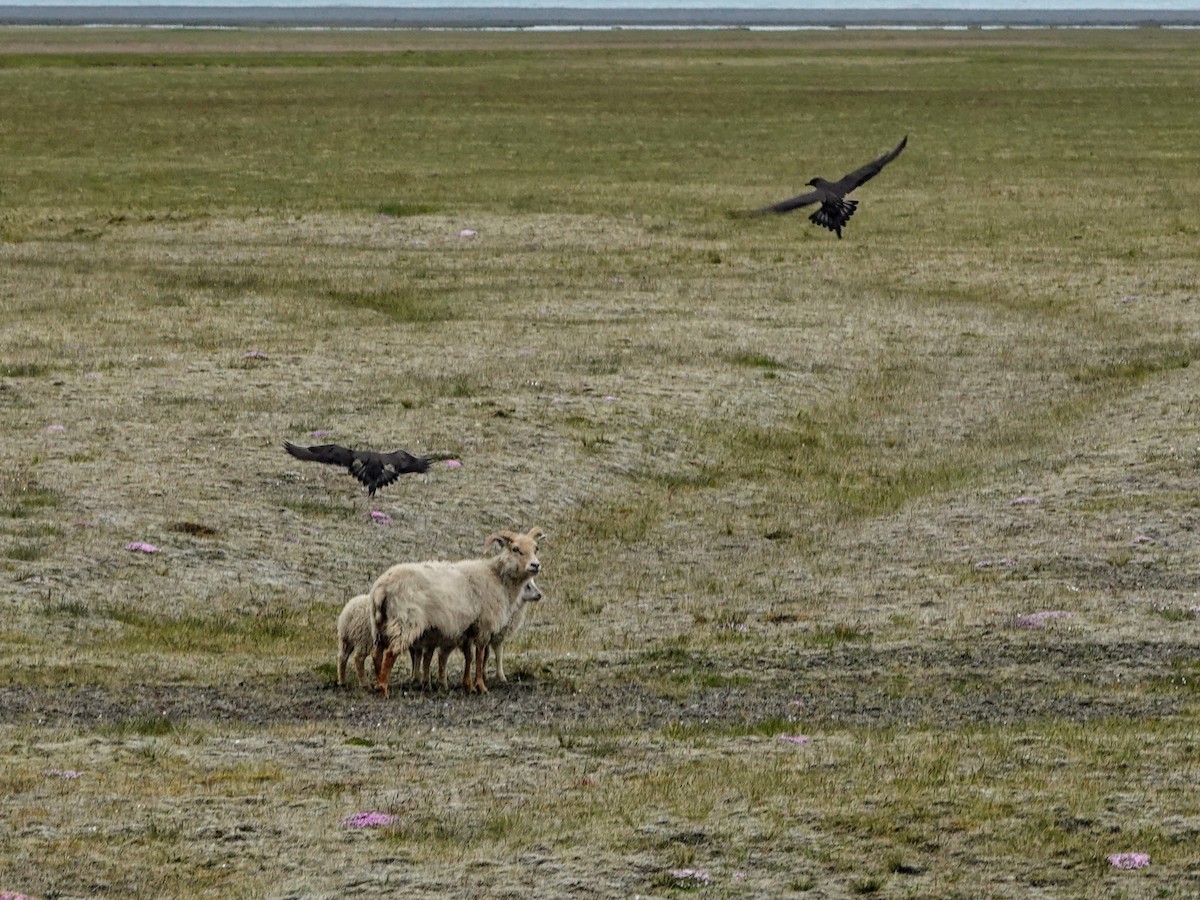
(516, 549)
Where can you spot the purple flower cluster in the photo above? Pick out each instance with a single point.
(141, 547)
(381, 517)
(1129, 860)
(368, 820)
(794, 738)
(69, 774)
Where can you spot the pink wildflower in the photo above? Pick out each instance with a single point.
(1142, 539)
(1129, 860)
(141, 547)
(381, 517)
(1038, 619)
(254, 354)
(321, 432)
(453, 464)
(1025, 500)
(610, 399)
(794, 738)
(467, 232)
(14, 895)
(68, 774)
(368, 820)
(55, 428)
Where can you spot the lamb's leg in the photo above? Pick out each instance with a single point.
(443, 655)
(343, 655)
(426, 663)
(376, 658)
(500, 662)
(360, 660)
(414, 656)
(467, 654)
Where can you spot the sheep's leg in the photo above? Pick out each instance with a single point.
(480, 687)
(414, 656)
(384, 672)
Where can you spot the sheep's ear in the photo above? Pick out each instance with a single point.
(501, 538)
(536, 533)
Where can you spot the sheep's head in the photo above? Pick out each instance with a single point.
(518, 559)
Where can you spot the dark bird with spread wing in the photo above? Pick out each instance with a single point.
(373, 469)
(835, 210)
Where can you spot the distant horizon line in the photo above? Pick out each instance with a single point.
(652, 14)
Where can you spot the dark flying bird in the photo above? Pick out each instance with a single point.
(835, 210)
(374, 470)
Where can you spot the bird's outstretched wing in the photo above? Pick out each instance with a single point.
(325, 453)
(847, 183)
(788, 205)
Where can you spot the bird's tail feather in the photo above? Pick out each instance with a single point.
(834, 215)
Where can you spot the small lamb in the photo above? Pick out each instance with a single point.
(354, 636)
(452, 598)
(531, 594)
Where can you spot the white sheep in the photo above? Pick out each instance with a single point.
(422, 651)
(354, 636)
(451, 598)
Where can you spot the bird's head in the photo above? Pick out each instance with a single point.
(812, 182)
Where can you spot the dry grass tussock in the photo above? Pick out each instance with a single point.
(924, 497)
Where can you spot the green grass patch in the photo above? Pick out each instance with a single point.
(399, 305)
(23, 370)
(209, 633)
(403, 210)
(755, 360)
(321, 508)
(22, 496)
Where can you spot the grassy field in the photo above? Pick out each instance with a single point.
(872, 564)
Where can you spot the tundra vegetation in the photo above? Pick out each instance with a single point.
(872, 564)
